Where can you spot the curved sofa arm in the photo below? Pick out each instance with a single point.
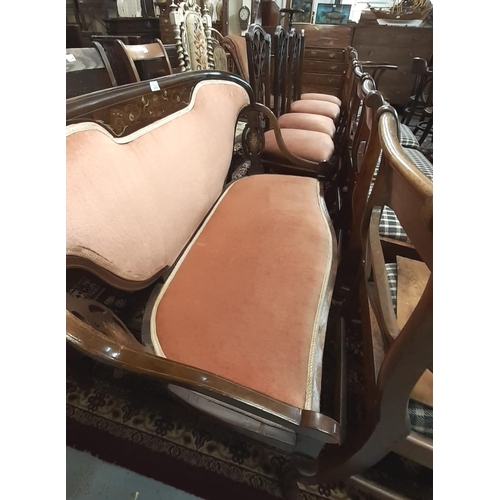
(136, 359)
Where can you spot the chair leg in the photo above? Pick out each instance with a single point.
(426, 131)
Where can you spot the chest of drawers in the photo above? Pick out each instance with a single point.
(324, 65)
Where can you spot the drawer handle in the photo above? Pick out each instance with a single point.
(370, 53)
(314, 52)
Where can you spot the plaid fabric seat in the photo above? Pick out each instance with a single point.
(421, 415)
(389, 223)
(408, 139)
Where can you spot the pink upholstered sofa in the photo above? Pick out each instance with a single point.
(244, 270)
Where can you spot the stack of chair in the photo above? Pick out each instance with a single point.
(314, 147)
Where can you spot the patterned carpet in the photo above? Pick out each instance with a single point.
(135, 423)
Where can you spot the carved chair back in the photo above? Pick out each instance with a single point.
(293, 68)
(280, 51)
(155, 52)
(87, 70)
(397, 341)
(259, 63)
(193, 36)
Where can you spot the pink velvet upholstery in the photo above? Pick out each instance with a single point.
(248, 301)
(133, 203)
(307, 144)
(307, 121)
(321, 97)
(324, 108)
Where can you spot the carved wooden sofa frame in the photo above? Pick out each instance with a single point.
(118, 116)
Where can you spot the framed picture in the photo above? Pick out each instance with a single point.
(327, 13)
(306, 6)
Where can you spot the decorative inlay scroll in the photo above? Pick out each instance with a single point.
(127, 117)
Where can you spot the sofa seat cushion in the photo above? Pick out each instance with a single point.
(408, 139)
(249, 298)
(307, 144)
(324, 108)
(321, 97)
(307, 121)
(421, 415)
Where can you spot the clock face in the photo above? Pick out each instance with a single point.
(244, 14)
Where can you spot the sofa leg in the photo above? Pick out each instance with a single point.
(289, 487)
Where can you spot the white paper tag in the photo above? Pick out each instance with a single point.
(154, 85)
(70, 58)
(145, 50)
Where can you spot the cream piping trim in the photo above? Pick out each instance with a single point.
(317, 319)
(80, 127)
(314, 340)
(154, 338)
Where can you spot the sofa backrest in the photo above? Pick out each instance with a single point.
(136, 194)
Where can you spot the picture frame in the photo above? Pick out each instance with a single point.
(327, 13)
(307, 6)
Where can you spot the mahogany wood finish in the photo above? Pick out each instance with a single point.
(111, 343)
(323, 60)
(146, 27)
(152, 52)
(259, 63)
(280, 51)
(293, 77)
(87, 70)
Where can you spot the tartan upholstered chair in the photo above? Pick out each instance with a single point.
(363, 169)
(236, 321)
(396, 301)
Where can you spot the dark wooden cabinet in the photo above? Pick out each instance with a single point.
(324, 59)
(398, 46)
(148, 28)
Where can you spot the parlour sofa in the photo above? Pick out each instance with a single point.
(243, 271)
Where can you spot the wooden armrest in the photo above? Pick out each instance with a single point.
(302, 166)
(128, 357)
